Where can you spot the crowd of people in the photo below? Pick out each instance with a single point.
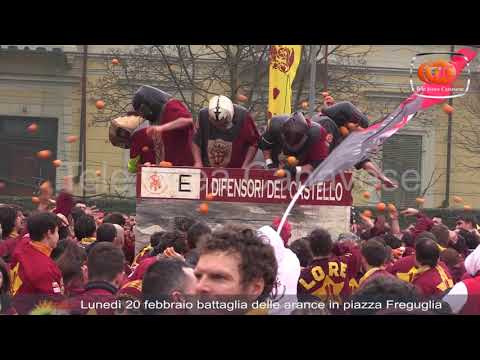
(70, 258)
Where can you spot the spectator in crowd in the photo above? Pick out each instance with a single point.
(11, 221)
(329, 276)
(170, 281)
(105, 264)
(236, 264)
(35, 276)
(72, 264)
(374, 255)
(6, 307)
(85, 230)
(197, 234)
(301, 248)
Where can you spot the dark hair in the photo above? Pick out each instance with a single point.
(442, 234)
(468, 218)
(115, 218)
(71, 260)
(183, 223)
(426, 235)
(408, 239)
(301, 248)
(155, 238)
(59, 249)
(85, 227)
(175, 239)
(106, 232)
(392, 241)
(380, 290)
(257, 259)
(320, 242)
(427, 252)
(192, 257)
(39, 224)
(374, 253)
(5, 300)
(471, 240)
(195, 231)
(450, 257)
(105, 261)
(76, 213)
(8, 215)
(161, 278)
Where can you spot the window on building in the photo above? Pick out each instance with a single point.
(20, 169)
(402, 161)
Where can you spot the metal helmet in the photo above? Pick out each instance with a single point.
(295, 132)
(220, 111)
(149, 101)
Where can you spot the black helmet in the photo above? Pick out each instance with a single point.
(295, 132)
(149, 101)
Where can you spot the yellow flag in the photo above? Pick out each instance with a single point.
(284, 61)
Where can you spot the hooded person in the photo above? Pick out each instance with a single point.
(288, 271)
(226, 137)
(294, 135)
(464, 297)
(167, 136)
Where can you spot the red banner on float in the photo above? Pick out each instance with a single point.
(238, 185)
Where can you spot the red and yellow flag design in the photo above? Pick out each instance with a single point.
(284, 61)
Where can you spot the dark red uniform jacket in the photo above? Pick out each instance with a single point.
(331, 278)
(35, 277)
(177, 143)
(98, 298)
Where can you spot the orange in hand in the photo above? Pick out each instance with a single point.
(344, 131)
(165, 164)
(292, 161)
(280, 173)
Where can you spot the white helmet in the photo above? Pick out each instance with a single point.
(220, 110)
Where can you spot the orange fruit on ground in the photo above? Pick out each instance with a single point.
(72, 138)
(44, 154)
(448, 109)
(366, 195)
(280, 173)
(145, 148)
(420, 200)
(457, 199)
(241, 98)
(100, 104)
(344, 131)
(304, 105)
(115, 62)
(367, 213)
(391, 208)
(165, 164)
(381, 206)
(203, 208)
(57, 163)
(292, 161)
(32, 128)
(98, 173)
(467, 207)
(209, 197)
(35, 200)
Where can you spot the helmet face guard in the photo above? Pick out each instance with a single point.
(149, 102)
(295, 132)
